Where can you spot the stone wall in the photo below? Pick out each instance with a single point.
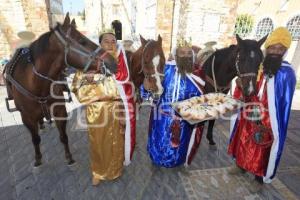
(205, 21)
(164, 19)
(11, 21)
(36, 16)
(20, 15)
(101, 16)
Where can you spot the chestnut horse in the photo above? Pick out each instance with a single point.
(147, 66)
(241, 60)
(33, 73)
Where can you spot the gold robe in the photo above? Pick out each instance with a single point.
(105, 129)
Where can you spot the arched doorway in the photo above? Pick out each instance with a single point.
(117, 26)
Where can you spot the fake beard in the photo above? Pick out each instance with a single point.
(272, 63)
(184, 64)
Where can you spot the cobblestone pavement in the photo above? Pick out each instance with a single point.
(206, 178)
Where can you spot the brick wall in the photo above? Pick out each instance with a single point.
(36, 17)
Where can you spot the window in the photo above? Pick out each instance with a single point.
(115, 9)
(293, 26)
(265, 26)
(243, 25)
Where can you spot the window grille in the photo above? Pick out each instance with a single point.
(243, 25)
(293, 26)
(264, 27)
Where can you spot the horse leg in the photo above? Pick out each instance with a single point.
(209, 135)
(41, 123)
(60, 112)
(138, 99)
(36, 139)
(69, 94)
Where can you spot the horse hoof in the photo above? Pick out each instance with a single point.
(37, 164)
(73, 166)
(213, 147)
(212, 143)
(71, 162)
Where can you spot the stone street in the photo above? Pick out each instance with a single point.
(206, 178)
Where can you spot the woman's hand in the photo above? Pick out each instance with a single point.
(90, 77)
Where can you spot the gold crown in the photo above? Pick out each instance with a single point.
(181, 42)
(107, 30)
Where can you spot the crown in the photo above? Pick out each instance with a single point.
(107, 30)
(181, 42)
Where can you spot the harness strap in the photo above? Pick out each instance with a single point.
(213, 73)
(41, 75)
(25, 92)
(213, 82)
(219, 88)
(45, 110)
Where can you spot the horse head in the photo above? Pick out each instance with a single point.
(80, 52)
(152, 65)
(248, 59)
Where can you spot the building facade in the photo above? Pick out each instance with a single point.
(200, 20)
(55, 11)
(100, 14)
(21, 15)
(267, 17)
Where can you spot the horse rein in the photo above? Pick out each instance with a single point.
(239, 74)
(67, 48)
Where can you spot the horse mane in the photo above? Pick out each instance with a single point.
(224, 52)
(223, 55)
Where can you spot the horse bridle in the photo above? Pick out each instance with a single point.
(68, 47)
(239, 74)
(147, 76)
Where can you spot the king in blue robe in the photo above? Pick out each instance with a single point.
(173, 141)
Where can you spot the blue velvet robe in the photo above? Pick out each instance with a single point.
(176, 88)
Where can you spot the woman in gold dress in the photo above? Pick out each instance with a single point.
(109, 113)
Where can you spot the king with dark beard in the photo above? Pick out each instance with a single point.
(257, 144)
(173, 141)
(271, 64)
(184, 60)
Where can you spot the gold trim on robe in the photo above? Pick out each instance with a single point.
(104, 110)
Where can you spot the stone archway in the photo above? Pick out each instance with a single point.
(117, 26)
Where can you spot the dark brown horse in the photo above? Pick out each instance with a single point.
(32, 74)
(241, 60)
(147, 66)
